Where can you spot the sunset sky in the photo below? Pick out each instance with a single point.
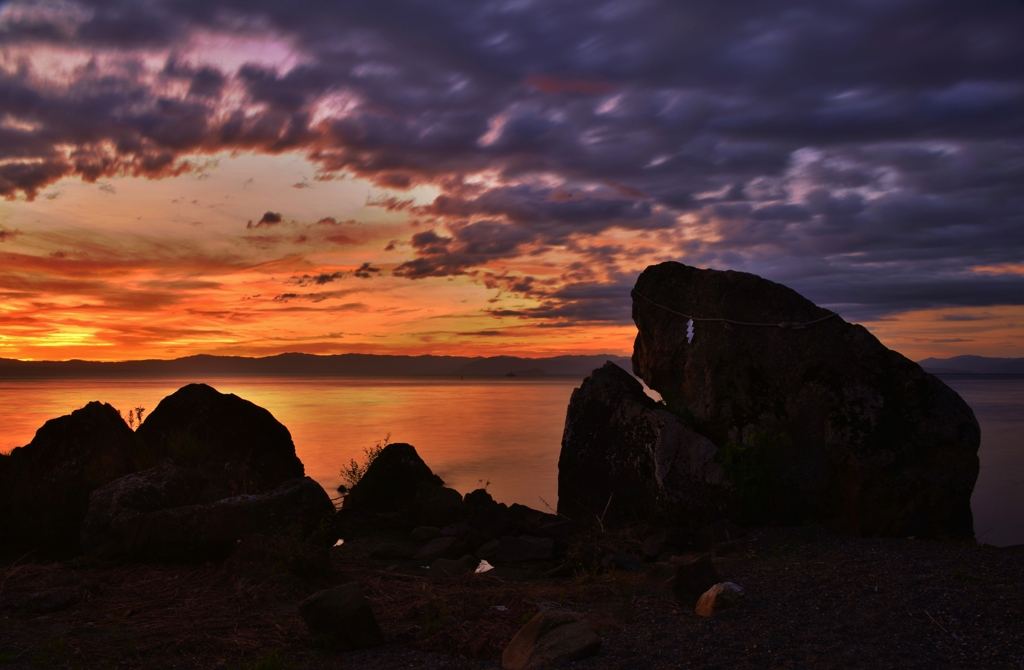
(484, 178)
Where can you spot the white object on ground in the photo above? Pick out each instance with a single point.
(484, 566)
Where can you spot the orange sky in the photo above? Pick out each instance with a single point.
(226, 183)
(131, 268)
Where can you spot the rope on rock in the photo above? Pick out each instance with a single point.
(785, 325)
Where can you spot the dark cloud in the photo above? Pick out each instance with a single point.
(268, 219)
(366, 271)
(8, 234)
(869, 154)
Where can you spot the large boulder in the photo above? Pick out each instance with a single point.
(197, 425)
(112, 506)
(45, 485)
(625, 459)
(392, 481)
(817, 421)
(298, 509)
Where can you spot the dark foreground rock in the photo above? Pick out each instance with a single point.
(625, 459)
(298, 508)
(240, 443)
(341, 618)
(112, 506)
(45, 485)
(549, 640)
(820, 422)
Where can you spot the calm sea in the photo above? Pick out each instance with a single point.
(503, 431)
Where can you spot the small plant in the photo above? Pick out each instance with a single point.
(353, 472)
(134, 416)
(484, 484)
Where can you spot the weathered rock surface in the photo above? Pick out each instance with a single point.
(693, 578)
(719, 597)
(45, 485)
(197, 425)
(111, 506)
(550, 640)
(822, 422)
(625, 459)
(341, 618)
(392, 481)
(299, 507)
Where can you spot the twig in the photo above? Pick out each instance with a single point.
(553, 510)
(606, 506)
(936, 622)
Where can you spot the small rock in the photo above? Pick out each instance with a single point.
(341, 617)
(436, 505)
(550, 639)
(694, 578)
(436, 548)
(424, 533)
(525, 548)
(719, 597)
(488, 549)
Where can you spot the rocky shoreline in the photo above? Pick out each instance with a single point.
(814, 599)
(196, 540)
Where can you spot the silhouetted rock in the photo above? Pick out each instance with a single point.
(113, 505)
(436, 505)
(299, 509)
(549, 640)
(341, 618)
(625, 459)
(45, 485)
(719, 597)
(243, 442)
(821, 422)
(391, 482)
(693, 578)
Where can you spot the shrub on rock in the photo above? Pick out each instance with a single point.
(391, 482)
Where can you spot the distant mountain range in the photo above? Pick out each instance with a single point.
(974, 365)
(341, 365)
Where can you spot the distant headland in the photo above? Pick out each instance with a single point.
(340, 365)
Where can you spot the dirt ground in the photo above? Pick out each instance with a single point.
(813, 600)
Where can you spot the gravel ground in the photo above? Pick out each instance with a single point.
(813, 600)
